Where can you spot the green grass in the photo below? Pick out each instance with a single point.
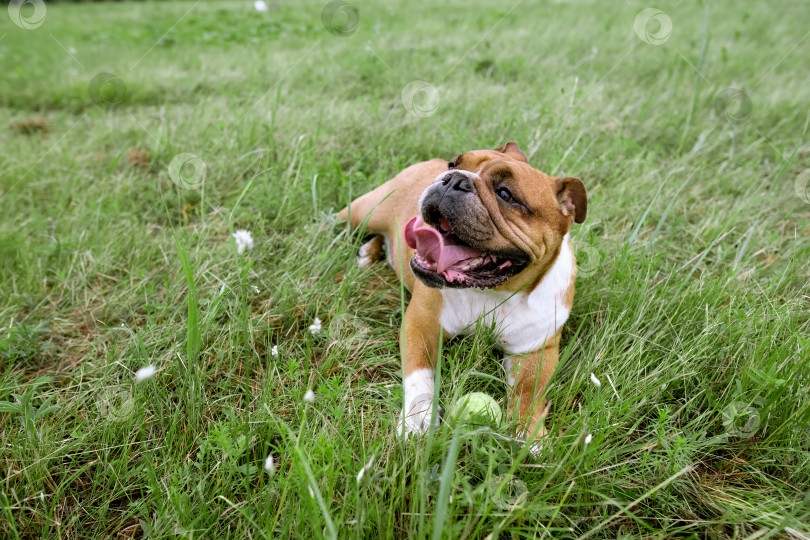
(692, 307)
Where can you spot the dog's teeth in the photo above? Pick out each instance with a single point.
(424, 263)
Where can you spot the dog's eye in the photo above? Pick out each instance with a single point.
(504, 194)
(451, 165)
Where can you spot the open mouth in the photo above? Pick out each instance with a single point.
(442, 259)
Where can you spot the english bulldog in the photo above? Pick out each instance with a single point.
(481, 238)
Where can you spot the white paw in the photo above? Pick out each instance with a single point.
(535, 450)
(536, 444)
(368, 253)
(365, 248)
(418, 416)
(365, 255)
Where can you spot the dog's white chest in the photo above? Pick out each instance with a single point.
(523, 321)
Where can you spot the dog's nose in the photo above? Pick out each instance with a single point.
(457, 181)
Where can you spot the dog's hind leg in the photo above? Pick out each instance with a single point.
(371, 251)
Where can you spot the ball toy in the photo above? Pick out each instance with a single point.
(476, 407)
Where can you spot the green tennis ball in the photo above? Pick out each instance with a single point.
(476, 407)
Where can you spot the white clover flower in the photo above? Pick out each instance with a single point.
(365, 468)
(269, 466)
(588, 439)
(274, 350)
(596, 381)
(309, 397)
(145, 373)
(315, 327)
(259, 5)
(243, 239)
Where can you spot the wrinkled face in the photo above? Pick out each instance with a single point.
(489, 217)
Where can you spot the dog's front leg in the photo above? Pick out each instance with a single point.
(529, 375)
(419, 346)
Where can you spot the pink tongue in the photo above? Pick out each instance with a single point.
(434, 247)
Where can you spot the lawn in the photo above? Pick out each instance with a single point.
(139, 136)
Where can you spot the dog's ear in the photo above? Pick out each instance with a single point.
(511, 149)
(571, 197)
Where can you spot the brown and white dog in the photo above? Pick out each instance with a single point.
(485, 239)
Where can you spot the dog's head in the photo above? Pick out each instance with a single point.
(489, 217)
